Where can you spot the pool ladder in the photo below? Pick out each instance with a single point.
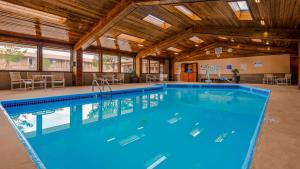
(101, 85)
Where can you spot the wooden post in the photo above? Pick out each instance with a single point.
(138, 66)
(299, 65)
(78, 68)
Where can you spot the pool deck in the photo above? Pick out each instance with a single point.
(278, 145)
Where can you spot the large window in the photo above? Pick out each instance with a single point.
(126, 64)
(154, 66)
(161, 68)
(17, 57)
(110, 63)
(90, 62)
(56, 59)
(145, 66)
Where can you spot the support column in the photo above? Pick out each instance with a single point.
(78, 68)
(299, 65)
(138, 66)
(172, 67)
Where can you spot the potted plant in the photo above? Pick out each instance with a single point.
(236, 77)
(133, 77)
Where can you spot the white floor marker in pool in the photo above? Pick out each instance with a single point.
(157, 162)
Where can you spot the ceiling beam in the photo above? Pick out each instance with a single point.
(156, 48)
(250, 33)
(238, 50)
(121, 10)
(170, 2)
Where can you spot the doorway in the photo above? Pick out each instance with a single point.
(189, 72)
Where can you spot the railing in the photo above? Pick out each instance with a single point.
(101, 85)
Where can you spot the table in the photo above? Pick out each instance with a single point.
(44, 77)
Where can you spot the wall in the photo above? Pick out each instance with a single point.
(5, 79)
(276, 64)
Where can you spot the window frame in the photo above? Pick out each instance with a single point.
(133, 63)
(37, 58)
(99, 62)
(119, 62)
(55, 48)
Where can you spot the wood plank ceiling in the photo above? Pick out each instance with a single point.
(281, 26)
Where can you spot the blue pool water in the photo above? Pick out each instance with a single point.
(172, 128)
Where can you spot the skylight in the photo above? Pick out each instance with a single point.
(188, 12)
(31, 12)
(241, 10)
(256, 40)
(196, 39)
(174, 49)
(156, 21)
(131, 38)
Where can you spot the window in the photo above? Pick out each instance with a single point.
(161, 68)
(145, 66)
(156, 21)
(56, 59)
(154, 66)
(110, 63)
(126, 64)
(90, 62)
(188, 12)
(241, 10)
(131, 38)
(17, 57)
(174, 49)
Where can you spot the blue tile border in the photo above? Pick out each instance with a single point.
(24, 102)
(39, 163)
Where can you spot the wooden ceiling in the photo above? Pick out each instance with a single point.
(89, 21)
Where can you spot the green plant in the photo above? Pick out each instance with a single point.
(235, 71)
(133, 73)
(11, 54)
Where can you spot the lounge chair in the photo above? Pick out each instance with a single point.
(151, 78)
(286, 80)
(58, 80)
(16, 79)
(119, 78)
(268, 79)
(36, 79)
(163, 77)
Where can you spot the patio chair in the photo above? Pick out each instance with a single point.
(16, 79)
(119, 78)
(286, 80)
(96, 77)
(58, 80)
(268, 79)
(151, 78)
(163, 77)
(36, 79)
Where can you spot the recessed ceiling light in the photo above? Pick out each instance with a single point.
(262, 22)
(232, 40)
(110, 38)
(257, 1)
(222, 37)
(188, 12)
(174, 49)
(241, 10)
(196, 39)
(131, 38)
(140, 45)
(196, 45)
(256, 40)
(267, 43)
(31, 12)
(156, 21)
(176, 53)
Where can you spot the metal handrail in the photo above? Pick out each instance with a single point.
(103, 83)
